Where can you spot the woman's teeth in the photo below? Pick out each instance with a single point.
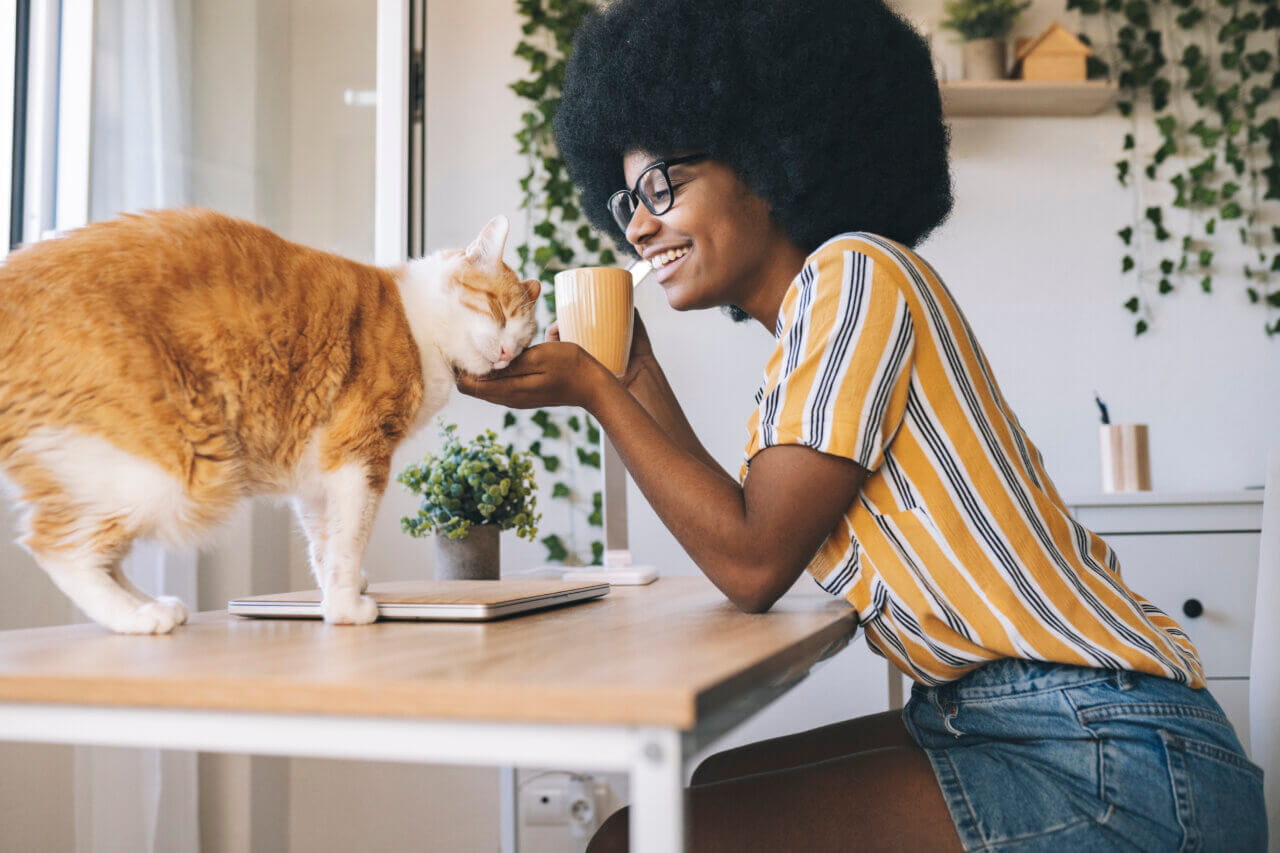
(660, 261)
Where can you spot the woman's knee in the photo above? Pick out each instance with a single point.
(613, 834)
(709, 769)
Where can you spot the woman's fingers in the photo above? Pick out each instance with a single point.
(553, 332)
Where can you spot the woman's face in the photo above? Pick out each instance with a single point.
(723, 229)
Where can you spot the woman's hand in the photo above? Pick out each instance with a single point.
(549, 374)
(641, 349)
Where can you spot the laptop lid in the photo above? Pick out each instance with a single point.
(432, 600)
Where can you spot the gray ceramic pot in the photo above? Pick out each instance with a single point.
(983, 59)
(472, 558)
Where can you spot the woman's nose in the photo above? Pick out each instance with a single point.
(642, 224)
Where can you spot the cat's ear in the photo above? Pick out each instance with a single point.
(533, 287)
(486, 250)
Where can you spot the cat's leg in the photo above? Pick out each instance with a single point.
(88, 501)
(88, 573)
(351, 496)
(309, 508)
(172, 602)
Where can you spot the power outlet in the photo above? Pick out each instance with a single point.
(544, 805)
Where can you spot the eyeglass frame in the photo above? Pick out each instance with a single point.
(634, 194)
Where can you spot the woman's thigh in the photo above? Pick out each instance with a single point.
(882, 799)
(876, 731)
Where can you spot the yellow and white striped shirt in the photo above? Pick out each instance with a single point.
(958, 549)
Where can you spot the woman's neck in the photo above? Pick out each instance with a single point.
(773, 281)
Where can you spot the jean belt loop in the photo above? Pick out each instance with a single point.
(1124, 679)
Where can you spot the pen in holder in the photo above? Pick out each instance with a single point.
(1126, 463)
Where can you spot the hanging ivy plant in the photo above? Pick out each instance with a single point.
(557, 237)
(1218, 151)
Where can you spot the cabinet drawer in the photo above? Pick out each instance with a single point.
(1218, 570)
(1174, 518)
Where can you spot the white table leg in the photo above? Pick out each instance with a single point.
(657, 794)
(509, 804)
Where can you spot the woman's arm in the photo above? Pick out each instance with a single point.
(752, 541)
(646, 382)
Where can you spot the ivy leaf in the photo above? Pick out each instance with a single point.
(1132, 304)
(560, 490)
(1253, 294)
(593, 433)
(1273, 299)
(597, 553)
(556, 552)
(1139, 328)
(1166, 266)
(1206, 284)
(574, 423)
(1231, 211)
(1165, 287)
(1206, 257)
(1126, 264)
(1126, 234)
(508, 420)
(551, 463)
(590, 459)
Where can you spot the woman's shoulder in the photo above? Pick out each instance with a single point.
(888, 259)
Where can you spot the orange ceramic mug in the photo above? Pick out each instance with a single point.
(595, 310)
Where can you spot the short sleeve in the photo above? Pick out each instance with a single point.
(838, 380)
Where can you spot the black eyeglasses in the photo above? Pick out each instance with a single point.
(653, 189)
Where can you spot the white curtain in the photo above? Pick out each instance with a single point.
(141, 106)
(129, 799)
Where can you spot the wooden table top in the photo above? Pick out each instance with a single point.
(667, 654)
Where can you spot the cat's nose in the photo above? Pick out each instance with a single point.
(505, 355)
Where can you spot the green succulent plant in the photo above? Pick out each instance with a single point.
(479, 482)
(982, 19)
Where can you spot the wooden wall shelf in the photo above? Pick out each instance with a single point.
(1026, 98)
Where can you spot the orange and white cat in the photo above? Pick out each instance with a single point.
(157, 369)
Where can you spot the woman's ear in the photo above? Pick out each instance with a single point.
(487, 248)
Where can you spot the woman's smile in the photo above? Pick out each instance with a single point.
(666, 263)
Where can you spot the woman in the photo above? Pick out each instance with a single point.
(779, 160)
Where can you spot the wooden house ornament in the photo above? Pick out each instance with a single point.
(1055, 54)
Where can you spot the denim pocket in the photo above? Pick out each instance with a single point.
(1217, 796)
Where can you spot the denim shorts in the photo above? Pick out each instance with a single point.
(1043, 756)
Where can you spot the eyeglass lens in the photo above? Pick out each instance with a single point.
(655, 191)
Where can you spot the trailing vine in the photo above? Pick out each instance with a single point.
(557, 237)
(1219, 143)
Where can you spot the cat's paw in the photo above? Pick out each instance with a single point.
(153, 617)
(175, 605)
(350, 609)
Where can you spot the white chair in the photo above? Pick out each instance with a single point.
(1264, 675)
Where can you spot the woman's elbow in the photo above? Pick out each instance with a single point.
(760, 593)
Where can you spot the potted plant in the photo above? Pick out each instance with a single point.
(983, 26)
(470, 493)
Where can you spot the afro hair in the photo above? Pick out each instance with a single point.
(827, 109)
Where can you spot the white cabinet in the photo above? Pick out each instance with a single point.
(1196, 558)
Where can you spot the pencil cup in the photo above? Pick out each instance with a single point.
(1126, 463)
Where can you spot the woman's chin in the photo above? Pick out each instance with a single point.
(680, 298)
